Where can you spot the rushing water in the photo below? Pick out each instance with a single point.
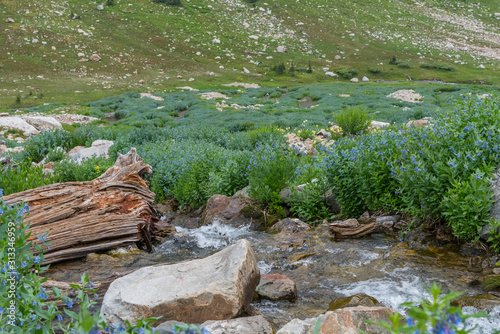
(323, 269)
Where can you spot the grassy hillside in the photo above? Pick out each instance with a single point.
(165, 46)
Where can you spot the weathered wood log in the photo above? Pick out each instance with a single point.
(114, 210)
(351, 228)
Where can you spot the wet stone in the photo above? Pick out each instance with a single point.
(480, 302)
(276, 287)
(359, 299)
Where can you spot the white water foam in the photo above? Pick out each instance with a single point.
(264, 267)
(215, 235)
(392, 292)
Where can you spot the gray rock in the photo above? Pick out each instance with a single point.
(100, 7)
(394, 219)
(355, 80)
(218, 287)
(281, 49)
(249, 325)
(99, 148)
(495, 209)
(330, 74)
(14, 122)
(95, 58)
(235, 211)
(243, 192)
(43, 122)
(365, 79)
(276, 287)
(350, 320)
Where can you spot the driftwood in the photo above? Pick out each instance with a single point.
(351, 228)
(114, 210)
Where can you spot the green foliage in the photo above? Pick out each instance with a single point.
(353, 120)
(494, 239)
(309, 203)
(440, 171)
(14, 179)
(271, 169)
(280, 69)
(305, 134)
(89, 169)
(467, 204)
(110, 3)
(403, 65)
(55, 155)
(18, 99)
(435, 315)
(169, 2)
(309, 67)
(291, 71)
(439, 67)
(393, 61)
(347, 73)
(374, 70)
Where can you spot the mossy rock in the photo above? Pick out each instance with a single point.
(359, 299)
(491, 283)
(252, 212)
(480, 302)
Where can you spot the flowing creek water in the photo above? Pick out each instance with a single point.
(324, 269)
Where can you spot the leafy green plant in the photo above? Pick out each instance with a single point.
(353, 120)
(88, 170)
(55, 155)
(306, 134)
(435, 315)
(494, 239)
(169, 2)
(280, 69)
(14, 179)
(467, 205)
(439, 67)
(347, 73)
(270, 171)
(374, 70)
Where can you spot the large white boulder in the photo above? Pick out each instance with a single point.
(218, 287)
(18, 123)
(43, 122)
(99, 148)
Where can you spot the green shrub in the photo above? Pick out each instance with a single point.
(23, 177)
(467, 205)
(280, 69)
(347, 73)
(393, 61)
(88, 170)
(309, 204)
(55, 155)
(271, 170)
(403, 65)
(375, 70)
(439, 67)
(169, 2)
(353, 120)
